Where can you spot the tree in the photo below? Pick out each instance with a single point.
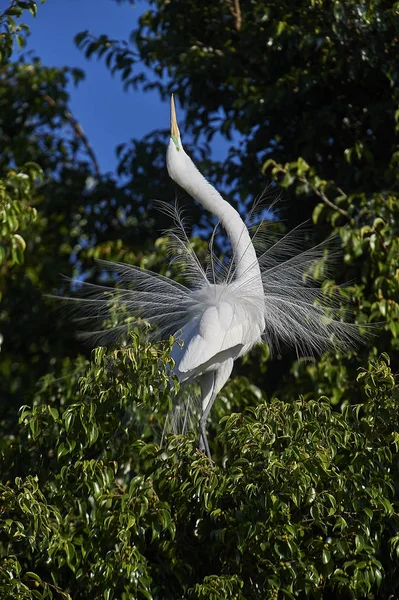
(80, 214)
(301, 500)
(303, 505)
(311, 89)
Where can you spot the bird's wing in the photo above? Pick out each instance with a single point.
(142, 296)
(217, 329)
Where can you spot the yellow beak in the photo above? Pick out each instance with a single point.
(174, 130)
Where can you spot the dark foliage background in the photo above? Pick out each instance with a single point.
(302, 498)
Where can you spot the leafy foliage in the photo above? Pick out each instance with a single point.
(12, 29)
(15, 212)
(302, 498)
(304, 502)
(311, 90)
(81, 214)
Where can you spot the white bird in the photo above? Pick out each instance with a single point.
(260, 297)
(226, 319)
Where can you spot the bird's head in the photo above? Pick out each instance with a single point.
(174, 130)
(177, 161)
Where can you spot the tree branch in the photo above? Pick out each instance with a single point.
(317, 191)
(79, 133)
(323, 197)
(4, 13)
(235, 10)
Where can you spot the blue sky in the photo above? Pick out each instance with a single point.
(107, 113)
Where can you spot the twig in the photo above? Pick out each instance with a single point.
(319, 193)
(54, 587)
(58, 590)
(236, 12)
(79, 133)
(4, 13)
(323, 197)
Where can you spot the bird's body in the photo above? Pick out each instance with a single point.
(227, 319)
(223, 327)
(224, 321)
(267, 296)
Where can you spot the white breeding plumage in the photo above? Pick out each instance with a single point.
(226, 319)
(216, 320)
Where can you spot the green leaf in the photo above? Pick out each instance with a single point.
(326, 556)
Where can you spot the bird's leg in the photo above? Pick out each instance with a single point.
(208, 398)
(203, 445)
(211, 384)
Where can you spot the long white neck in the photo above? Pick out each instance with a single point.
(183, 171)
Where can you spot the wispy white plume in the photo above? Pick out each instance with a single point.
(298, 313)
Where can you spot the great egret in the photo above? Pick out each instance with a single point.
(228, 318)
(259, 297)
